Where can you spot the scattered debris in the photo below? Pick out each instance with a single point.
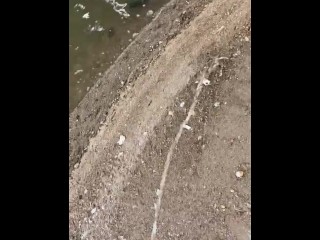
(239, 174)
(121, 140)
(78, 71)
(149, 13)
(79, 5)
(96, 28)
(86, 15)
(221, 72)
(119, 8)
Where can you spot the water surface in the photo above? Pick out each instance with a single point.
(97, 35)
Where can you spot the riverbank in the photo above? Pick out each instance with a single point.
(180, 95)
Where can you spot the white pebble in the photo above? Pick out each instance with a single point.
(149, 13)
(206, 82)
(216, 104)
(121, 140)
(187, 127)
(182, 104)
(239, 174)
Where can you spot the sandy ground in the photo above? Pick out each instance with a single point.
(184, 107)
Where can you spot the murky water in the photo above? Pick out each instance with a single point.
(97, 35)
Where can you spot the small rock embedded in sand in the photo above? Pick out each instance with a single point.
(223, 207)
(216, 104)
(138, 15)
(170, 113)
(76, 165)
(121, 140)
(134, 35)
(246, 39)
(130, 40)
(182, 104)
(149, 13)
(239, 174)
(143, 5)
(199, 138)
